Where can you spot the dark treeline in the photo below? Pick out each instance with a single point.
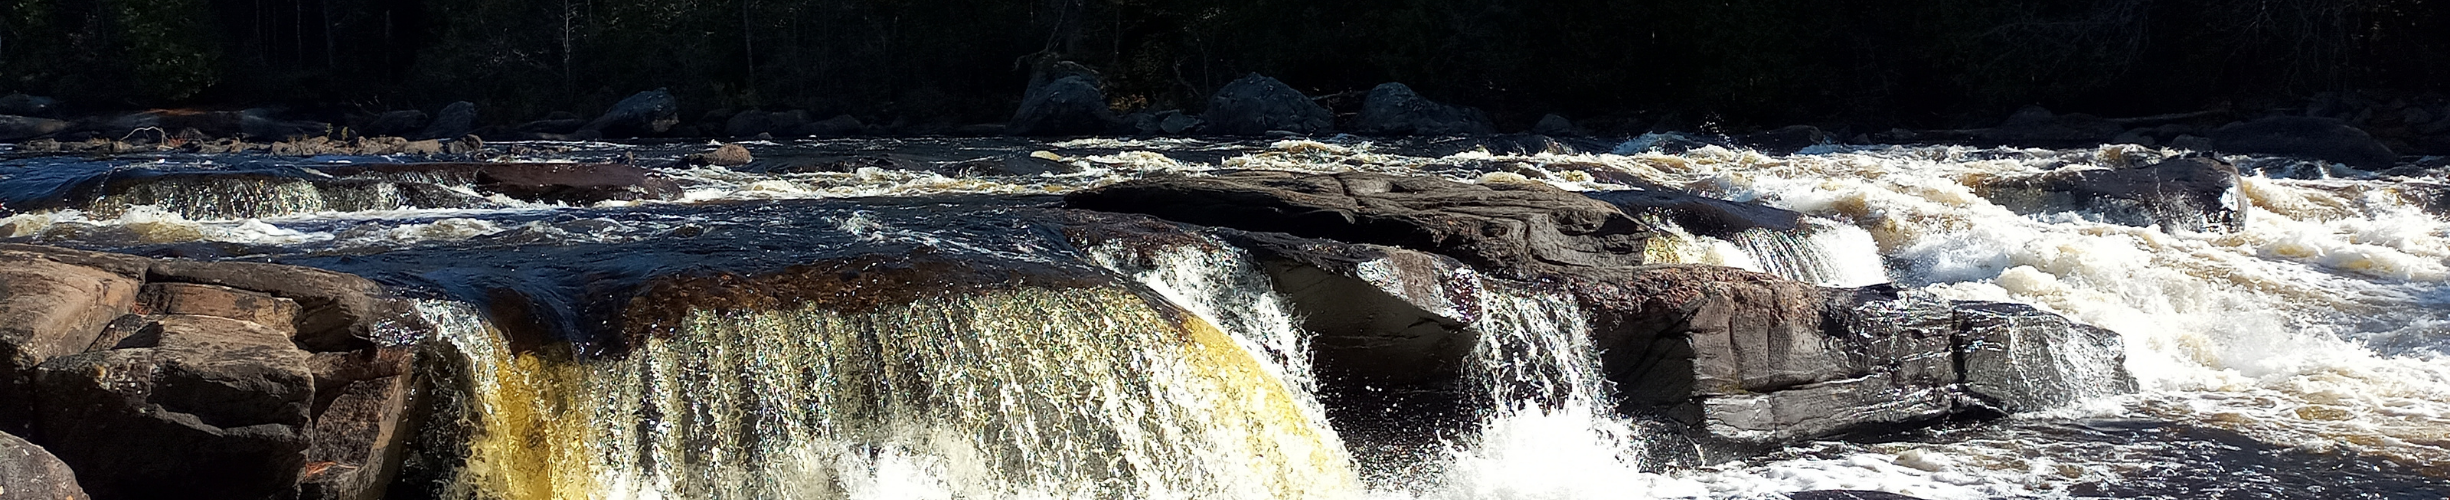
(1866, 62)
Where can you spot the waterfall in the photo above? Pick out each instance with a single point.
(1027, 393)
(1820, 252)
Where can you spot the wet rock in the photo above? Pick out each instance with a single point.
(27, 105)
(569, 183)
(644, 114)
(217, 409)
(1554, 125)
(454, 120)
(1385, 316)
(1750, 358)
(1512, 229)
(1394, 109)
(1256, 105)
(726, 155)
(335, 311)
(31, 473)
(2016, 358)
(2034, 126)
(1070, 105)
(1701, 215)
(2182, 193)
(50, 309)
(1173, 122)
(399, 123)
(778, 124)
(2316, 138)
(18, 128)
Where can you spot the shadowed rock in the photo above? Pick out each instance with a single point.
(30, 472)
(455, 120)
(2318, 138)
(1256, 105)
(643, 114)
(1070, 105)
(1393, 109)
(2183, 193)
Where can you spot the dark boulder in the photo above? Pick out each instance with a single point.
(401, 123)
(2188, 193)
(1787, 140)
(1070, 105)
(1555, 125)
(2016, 358)
(29, 472)
(2037, 127)
(838, 126)
(18, 128)
(455, 120)
(1256, 105)
(1394, 109)
(1510, 229)
(644, 114)
(552, 126)
(2317, 138)
(28, 105)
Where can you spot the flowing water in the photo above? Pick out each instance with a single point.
(2305, 354)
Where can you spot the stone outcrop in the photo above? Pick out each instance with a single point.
(1394, 109)
(454, 120)
(2317, 138)
(29, 472)
(643, 114)
(1511, 229)
(208, 380)
(2190, 193)
(1071, 105)
(1257, 105)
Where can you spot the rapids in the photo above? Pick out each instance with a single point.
(2304, 355)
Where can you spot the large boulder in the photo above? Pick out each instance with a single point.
(50, 309)
(2317, 138)
(1256, 105)
(1511, 229)
(644, 114)
(455, 120)
(1750, 358)
(210, 380)
(2190, 193)
(18, 128)
(1394, 109)
(1070, 105)
(29, 472)
(193, 407)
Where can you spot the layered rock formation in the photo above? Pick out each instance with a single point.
(164, 378)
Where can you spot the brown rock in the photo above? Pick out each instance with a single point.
(336, 311)
(728, 155)
(1517, 230)
(217, 408)
(29, 472)
(220, 301)
(49, 309)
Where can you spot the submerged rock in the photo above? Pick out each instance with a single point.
(1256, 105)
(1393, 109)
(2318, 138)
(1510, 229)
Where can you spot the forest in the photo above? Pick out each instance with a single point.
(1927, 63)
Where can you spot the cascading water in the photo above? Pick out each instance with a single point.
(1029, 393)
